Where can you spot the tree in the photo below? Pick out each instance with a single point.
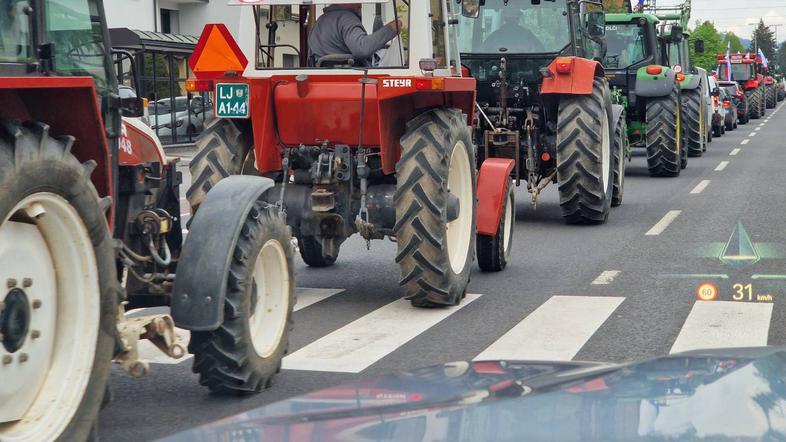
(712, 45)
(736, 44)
(764, 39)
(782, 57)
(616, 5)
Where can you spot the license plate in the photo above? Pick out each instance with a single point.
(232, 100)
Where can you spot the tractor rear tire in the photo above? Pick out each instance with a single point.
(585, 161)
(772, 99)
(55, 247)
(664, 136)
(435, 208)
(311, 252)
(754, 104)
(620, 160)
(245, 352)
(694, 119)
(223, 149)
(494, 251)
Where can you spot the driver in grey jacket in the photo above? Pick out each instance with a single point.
(340, 31)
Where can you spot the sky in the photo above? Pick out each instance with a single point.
(735, 15)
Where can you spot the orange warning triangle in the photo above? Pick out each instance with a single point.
(216, 53)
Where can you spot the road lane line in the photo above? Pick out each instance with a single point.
(758, 128)
(724, 324)
(359, 344)
(745, 141)
(735, 151)
(700, 187)
(606, 277)
(752, 134)
(721, 166)
(667, 219)
(555, 331)
(309, 296)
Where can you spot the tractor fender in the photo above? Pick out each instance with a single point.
(492, 182)
(577, 82)
(617, 112)
(654, 85)
(203, 269)
(691, 81)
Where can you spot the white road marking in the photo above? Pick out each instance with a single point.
(359, 344)
(745, 141)
(721, 166)
(762, 124)
(752, 134)
(607, 277)
(700, 187)
(307, 296)
(555, 331)
(758, 128)
(723, 324)
(735, 151)
(667, 219)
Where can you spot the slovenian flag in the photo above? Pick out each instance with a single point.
(640, 6)
(764, 61)
(728, 60)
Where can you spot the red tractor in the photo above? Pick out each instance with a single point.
(544, 101)
(90, 228)
(379, 146)
(745, 70)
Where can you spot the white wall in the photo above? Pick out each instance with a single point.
(132, 14)
(194, 17)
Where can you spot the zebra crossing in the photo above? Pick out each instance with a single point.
(555, 331)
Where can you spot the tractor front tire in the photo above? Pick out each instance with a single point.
(60, 289)
(435, 208)
(223, 149)
(772, 98)
(620, 160)
(245, 352)
(694, 119)
(664, 136)
(754, 105)
(494, 251)
(311, 252)
(585, 161)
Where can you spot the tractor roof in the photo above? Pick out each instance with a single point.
(628, 17)
(298, 2)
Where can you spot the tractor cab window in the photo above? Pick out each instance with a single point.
(516, 27)
(673, 54)
(739, 72)
(74, 26)
(15, 36)
(321, 36)
(626, 45)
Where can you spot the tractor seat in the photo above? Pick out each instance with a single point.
(336, 61)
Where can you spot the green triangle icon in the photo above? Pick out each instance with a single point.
(739, 250)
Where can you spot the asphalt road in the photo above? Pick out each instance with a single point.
(621, 291)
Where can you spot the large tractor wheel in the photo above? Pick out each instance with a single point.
(245, 352)
(754, 104)
(585, 161)
(620, 159)
(683, 136)
(435, 208)
(494, 251)
(224, 149)
(694, 119)
(664, 138)
(772, 99)
(58, 301)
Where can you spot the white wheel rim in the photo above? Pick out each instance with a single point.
(459, 231)
(605, 151)
(268, 321)
(40, 395)
(508, 232)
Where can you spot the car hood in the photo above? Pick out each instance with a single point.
(727, 394)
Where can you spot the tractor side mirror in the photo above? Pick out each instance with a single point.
(596, 23)
(716, 92)
(698, 46)
(470, 8)
(132, 107)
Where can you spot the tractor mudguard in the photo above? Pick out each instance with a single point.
(616, 112)
(660, 85)
(579, 73)
(690, 82)
(492, 181)
(202, 271)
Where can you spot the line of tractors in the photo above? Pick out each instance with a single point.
(425, 152)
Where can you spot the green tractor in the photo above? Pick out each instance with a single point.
(648, 65)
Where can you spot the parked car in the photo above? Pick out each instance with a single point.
(718, 111)
(190, 117)
(727, 102)
(738, 98)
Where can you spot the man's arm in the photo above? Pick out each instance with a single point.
(360, 44)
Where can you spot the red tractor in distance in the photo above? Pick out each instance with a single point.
(745, 71)
(90, 228)
(381, 147)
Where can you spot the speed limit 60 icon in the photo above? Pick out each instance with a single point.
(707, 292)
